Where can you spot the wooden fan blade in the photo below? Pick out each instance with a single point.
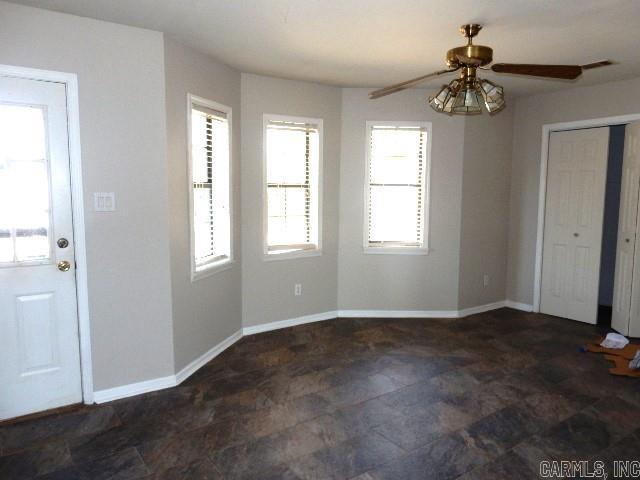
(601, 63)
(566, 72)
(404, 85)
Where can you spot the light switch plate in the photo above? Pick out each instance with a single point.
(104, 201)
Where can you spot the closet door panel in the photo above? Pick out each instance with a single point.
(626, 290)
(574, 211)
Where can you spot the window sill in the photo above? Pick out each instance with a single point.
(396, 251)
(212, 269)
(290, 255)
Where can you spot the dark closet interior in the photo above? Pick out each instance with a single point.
(610, 230)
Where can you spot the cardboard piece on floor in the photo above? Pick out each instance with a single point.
(622, 367)
(628, 352)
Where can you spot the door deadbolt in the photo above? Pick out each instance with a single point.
(63, 242)
(64, 266)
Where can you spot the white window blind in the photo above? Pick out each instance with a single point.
(292, 170)
(396, 186)
(211, 221)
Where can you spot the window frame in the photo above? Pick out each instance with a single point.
(299, 252)
(426, 194)
(215, 265)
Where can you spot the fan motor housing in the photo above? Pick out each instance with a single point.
(479, 54)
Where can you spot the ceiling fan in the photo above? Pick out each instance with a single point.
(465, 94)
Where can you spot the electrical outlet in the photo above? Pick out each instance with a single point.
(104, 202)
(486, 280)
(297, 289)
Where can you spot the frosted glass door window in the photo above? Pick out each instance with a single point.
(25, 201)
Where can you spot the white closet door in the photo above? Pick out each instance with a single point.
(625, 307)
(576, 181)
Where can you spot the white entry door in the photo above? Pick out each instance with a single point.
(39, 348)
(576, 181)
(625, 306)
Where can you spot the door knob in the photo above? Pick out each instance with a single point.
(627, 240)
(64, 266)
(576, 234)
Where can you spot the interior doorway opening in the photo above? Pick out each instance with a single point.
(610, 224)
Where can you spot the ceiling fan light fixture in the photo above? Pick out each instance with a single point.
(467, 101)
(444, 99)
(468, 98)
(468, 94)
(492, 95)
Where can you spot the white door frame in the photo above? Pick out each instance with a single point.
(542, 193)
(70, 80)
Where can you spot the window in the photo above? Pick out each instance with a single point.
(25, 204)
(396, 190)
(293, 155)
(209, 177)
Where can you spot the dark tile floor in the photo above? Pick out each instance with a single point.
(485, 397)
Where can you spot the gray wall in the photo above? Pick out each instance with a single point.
(206, 311)
(122, 120)
(267, 286)
(400, 282)
(531, 113)
(485, 208)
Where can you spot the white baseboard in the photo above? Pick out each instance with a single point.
(206, 357)
(398, 313)
(146, 386)
(481, 308)
(518, 306)
(318, 317)
(420, 313)
(131, 389)
(138, 388)
(266, 327)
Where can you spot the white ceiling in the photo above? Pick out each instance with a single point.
(378, 42)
